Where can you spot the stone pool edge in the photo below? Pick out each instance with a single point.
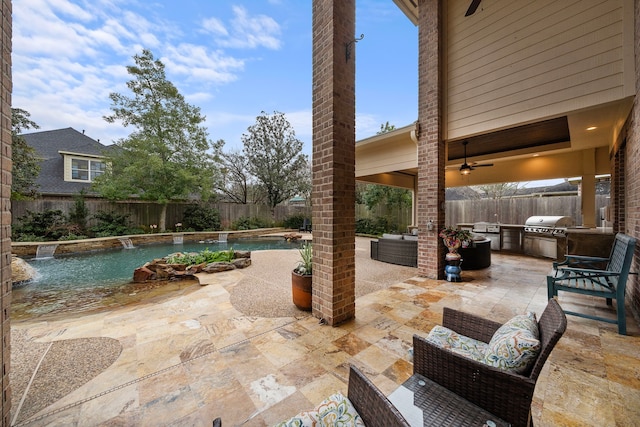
(26, 249)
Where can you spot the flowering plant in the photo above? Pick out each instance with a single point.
(453, 237)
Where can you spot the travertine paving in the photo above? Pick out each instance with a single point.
(193, 357)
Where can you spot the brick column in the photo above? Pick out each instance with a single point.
(431, 149)
(5, 205)
(333, 194)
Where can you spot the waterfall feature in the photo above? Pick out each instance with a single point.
(46, 251)
(178, 239)
(126, 243)
(222, 237)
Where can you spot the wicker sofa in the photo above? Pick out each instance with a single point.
(400, 249)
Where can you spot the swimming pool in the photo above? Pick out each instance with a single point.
(79, 281)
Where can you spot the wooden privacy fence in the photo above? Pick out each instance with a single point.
(142, 213)
(505, 211)
(517, 210)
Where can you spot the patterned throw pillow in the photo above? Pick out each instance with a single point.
(460, 344)
(303, 419)
(515, 345)
(336, 411)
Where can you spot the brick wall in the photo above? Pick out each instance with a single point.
(431, 148)
(333, 195)
(5, 206)
(627, 167)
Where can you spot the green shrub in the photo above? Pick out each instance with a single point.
(376, 226)
(78, 215)
(294, 221)
(112, 224)
(246, 223)
(28, 238)
(49, 225)
(72, 236)
(201, 218)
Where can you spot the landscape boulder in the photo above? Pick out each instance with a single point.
(21, 271)
(159, 269)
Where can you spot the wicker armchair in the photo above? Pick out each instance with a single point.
(505, 394)
(373, 406)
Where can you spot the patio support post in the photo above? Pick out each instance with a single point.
(333, 192)
(588, 189)
(5, 204)
(431, 147)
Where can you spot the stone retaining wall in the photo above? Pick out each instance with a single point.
(28, 249)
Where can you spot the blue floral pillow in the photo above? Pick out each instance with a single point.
(515, 345)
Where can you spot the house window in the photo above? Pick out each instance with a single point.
(86, 170)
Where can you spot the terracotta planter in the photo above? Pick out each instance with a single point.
(301, 290)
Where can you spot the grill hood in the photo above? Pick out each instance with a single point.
(549, 221)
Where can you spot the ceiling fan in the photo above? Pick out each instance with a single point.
(472, 7)
(466, 168)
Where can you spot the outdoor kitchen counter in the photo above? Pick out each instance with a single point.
(512, 237)
(590, 241)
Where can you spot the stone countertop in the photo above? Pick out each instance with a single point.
(585, 230)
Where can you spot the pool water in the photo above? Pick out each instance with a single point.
(90, 280)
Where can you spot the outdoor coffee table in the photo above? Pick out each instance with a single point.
(423, 402)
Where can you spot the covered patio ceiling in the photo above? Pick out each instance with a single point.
(548, 149)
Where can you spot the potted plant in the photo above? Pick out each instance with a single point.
(453, 238)
(301, 276)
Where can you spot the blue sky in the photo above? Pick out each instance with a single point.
(233, 59)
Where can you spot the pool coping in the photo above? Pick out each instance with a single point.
(26, 249)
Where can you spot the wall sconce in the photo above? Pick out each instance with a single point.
(349, 45)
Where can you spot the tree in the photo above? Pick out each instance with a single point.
(168, 156)
(275, 158)
(26, 165)
(497, 191)
(236, 180)
(384, 128)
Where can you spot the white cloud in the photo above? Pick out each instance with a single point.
(252, 32)
(198, 63)
(214, 26)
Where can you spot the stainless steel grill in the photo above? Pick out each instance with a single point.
(545, 235)
(548, 225)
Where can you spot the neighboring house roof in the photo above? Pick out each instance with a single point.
(49, 145)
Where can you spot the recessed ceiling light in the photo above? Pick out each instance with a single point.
(592, 128)
(536, 155)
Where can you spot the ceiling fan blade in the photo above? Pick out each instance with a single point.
(482, 164)
(472, 7)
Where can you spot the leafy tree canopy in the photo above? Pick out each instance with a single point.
(26, 165)
(168, 156)
(274, 156)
